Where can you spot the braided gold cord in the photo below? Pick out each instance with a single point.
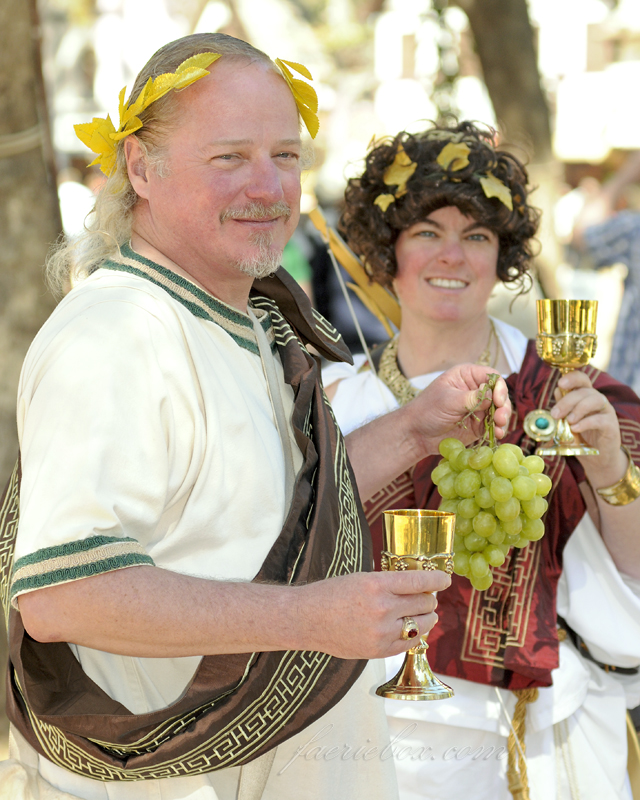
(517, 766)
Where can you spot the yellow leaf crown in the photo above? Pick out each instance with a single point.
(101, 136)
(304, 95)
(396, 174)
(453, 157)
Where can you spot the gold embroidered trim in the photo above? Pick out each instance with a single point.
(499, 616)
(9, 515)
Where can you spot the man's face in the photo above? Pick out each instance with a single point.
(230, 200)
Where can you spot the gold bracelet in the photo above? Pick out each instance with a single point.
(627, 489)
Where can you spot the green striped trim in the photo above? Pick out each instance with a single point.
(199, 303)
(73, 560)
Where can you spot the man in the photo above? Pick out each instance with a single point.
(185, 491)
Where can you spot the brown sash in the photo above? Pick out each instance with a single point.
(237, 707)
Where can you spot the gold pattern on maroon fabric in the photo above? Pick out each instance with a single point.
(498, 617)
(630, 435)
(387, 498)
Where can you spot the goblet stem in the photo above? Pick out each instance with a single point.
(415, 679)
(421, 647)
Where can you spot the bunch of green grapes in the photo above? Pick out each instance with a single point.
(497, 495)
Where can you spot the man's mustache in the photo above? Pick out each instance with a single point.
(258, 211)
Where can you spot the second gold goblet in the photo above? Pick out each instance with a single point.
(567, 340)
(417, 539)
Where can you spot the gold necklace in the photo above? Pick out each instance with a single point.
(389, 373)
(400, 387)
(485, 355)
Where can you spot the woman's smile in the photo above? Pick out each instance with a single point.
(447, 283)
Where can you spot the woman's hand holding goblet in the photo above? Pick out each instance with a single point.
(592, 416)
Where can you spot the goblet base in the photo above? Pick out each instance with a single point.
(415, 681)
(567, 450)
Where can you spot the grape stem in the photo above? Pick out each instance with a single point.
(489, 434)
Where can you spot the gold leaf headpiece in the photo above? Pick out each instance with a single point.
(304, 95)
(396, 174)
(453, 157)
(101, 136)
(494, 187)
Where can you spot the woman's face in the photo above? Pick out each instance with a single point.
(446, 267)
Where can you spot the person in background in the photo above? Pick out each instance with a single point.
(610, 236)
(553, 644)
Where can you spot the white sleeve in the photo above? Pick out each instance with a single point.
(595, 600)
(339, 371)
(106, 434)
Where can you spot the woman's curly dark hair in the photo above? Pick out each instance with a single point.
(372, 233)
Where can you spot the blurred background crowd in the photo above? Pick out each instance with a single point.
(556, 78)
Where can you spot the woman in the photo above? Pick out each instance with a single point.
(438, 218)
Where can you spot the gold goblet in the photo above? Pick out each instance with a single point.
(417, 539)
(566, 340)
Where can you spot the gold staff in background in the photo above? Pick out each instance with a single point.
(381, 303)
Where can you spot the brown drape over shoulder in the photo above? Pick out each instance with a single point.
(506, 636)
(237, 706)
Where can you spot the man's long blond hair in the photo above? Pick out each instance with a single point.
(109, 226)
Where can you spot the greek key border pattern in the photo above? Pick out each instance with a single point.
(286, 692)
(284, 333)
(498, 617)
(325, 327)
(399, 488)
(9, 517)
(268, 714)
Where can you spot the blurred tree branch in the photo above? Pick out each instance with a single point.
(29, 222)
(506, 48)
(505, 44)
(29, 214)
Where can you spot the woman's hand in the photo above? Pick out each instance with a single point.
(443, 408)
(590, 414)
(391, 444)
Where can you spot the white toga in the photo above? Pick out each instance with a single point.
(139, 419)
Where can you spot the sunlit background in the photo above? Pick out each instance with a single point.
(380, 66)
